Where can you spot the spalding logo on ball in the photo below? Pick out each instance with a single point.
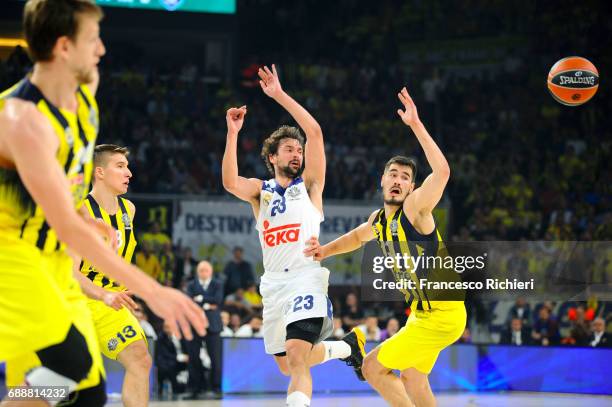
(572, 81)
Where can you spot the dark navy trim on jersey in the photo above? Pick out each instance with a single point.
(281, 191)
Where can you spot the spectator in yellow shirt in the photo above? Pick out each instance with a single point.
(147, 261)
(156, 238)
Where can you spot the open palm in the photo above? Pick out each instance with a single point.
(409, 115)
(269, 81)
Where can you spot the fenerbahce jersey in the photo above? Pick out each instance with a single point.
(121, 222)
(287, 219)
(20, 217)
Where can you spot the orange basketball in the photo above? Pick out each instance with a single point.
(572, 81)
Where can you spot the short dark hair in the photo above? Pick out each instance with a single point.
(270, 145)
(404, 161)
(102, 151)
(44, 21)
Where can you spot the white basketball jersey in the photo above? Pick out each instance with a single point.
(287, 219)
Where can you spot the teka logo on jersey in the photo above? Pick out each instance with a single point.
(279, 235)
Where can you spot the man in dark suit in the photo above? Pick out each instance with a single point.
(521, 310)
(207, 292)
(238, 273)
(599, 337)
(170, 360)
(516, 335)
(185, 268)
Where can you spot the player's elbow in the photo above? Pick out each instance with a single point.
(443, 172)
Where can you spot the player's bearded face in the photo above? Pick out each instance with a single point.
(396, 184)
(289, 158)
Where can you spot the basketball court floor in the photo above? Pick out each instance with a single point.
(511, 399)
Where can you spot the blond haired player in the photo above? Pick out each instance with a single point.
(119, 334)
(48, 128)
(407, 223)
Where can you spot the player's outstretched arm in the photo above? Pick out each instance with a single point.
(425, 198)
(28, 139)
(314, 172)
(247, 189)
(346, 243)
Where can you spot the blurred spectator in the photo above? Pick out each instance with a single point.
(207, 292)
(237, 303)
(352, 313)
(156, 238)
(252, 296)
(148, 261)
(238, 272)
(370, 329)
(545, 330)
(579, 333)
(521, 310)
(252, 329)
(599, 337)
(338, 331)
(168, 264)
(390, 330)
(170, 359)
(185, 268)
(143, 319)
(235, 322)
(516, 334)
(225, 320)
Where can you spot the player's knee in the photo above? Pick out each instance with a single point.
(370, 367)
(136, 358)
(296, 356)
(281, 362)
(70, 359)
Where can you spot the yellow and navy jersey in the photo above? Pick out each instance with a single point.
(397, 235)
(122, 223)
(20, 216)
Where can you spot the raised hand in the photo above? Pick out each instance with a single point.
(409, 115)
(269, 81)
(235, 119)
(314, 249)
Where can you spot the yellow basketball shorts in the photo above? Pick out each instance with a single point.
(418, 344)
(34, 313)
(60, 265)
(115, 329)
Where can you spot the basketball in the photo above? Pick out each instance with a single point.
(573, 81)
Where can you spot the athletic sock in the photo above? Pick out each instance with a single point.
(336, 350)
(298, 399)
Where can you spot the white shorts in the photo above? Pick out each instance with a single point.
(290, 297)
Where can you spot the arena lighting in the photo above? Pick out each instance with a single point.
(13, 42)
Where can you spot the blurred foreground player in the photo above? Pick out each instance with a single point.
(406, 219)
(48, 128)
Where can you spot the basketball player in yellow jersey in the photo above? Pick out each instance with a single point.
(119, 333)
(407, 219)
(48, 127)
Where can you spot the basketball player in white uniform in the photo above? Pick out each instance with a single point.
(297, 314)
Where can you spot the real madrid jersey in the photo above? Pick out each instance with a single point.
(121, 221)
(287, 219)
(20, 217)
